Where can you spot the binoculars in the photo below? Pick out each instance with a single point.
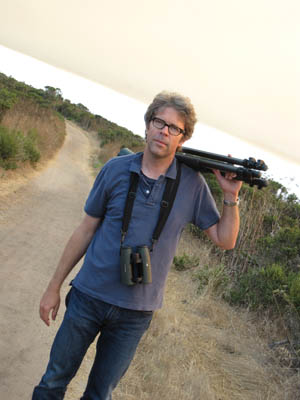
(135, 267)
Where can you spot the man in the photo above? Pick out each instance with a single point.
(98, 300)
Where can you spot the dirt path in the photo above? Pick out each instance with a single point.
(35, 223)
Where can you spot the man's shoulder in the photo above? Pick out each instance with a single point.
(122, 159)
(121, 162)
(192, 174)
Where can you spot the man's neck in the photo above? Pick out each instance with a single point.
(155, 167)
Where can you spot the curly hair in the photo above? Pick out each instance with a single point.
(180, 103)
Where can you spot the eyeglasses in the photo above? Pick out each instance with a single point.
(173, 129)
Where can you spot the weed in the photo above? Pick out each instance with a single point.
(16, 147)
(215, 278)
(184, 262)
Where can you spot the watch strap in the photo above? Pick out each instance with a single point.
(231, 203)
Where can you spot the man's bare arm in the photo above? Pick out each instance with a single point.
(73, 252)
(224, 233)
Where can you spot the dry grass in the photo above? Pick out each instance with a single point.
(199, 348)
(25, 116)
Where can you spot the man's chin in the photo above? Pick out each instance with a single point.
(161, 154)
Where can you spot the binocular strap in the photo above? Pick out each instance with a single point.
(165, 206)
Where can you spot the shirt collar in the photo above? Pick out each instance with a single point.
(136, 165)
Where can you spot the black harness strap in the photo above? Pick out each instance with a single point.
(134, 180)
(166, 203)
(165, 206)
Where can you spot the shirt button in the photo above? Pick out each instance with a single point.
(147, 191)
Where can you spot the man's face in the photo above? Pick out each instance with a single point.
(160, 143)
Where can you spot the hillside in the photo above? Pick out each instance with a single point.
(25, 116)
(32, 129)
(230, 328)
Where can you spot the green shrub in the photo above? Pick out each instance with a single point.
(115, 133)
(294, 291)
(184, 262)
(7, 98)
(30, 151)
(214, 277)
(8, 143)
(16, 147)
(257, 287)
(282, 247)
(8, 164)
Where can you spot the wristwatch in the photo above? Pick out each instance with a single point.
(231, 203)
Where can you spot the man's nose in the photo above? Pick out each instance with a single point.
(165, 130)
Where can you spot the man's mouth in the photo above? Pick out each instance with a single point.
(160, 142)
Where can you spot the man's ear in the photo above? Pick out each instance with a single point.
(182, 140)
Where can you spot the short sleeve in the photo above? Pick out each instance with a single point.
(206, 213)
(96, 202)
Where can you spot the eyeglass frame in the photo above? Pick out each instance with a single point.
(179, 130)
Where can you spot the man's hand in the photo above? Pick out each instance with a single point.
(228, 184)
(224, 233)
(49, 302)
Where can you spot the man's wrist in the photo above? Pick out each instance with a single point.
(54, 286)
(230, 196)
(229, 203)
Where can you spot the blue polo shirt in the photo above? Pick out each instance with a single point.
(99, 275)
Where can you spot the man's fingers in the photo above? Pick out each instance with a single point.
(44, 315)
(230, 175)
(54, 312)
(50, 303)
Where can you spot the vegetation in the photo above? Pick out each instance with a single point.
(265, 265)
(21, 146)
(262, 274)
(122, 136)
(184, 262)
(11, 91)
(16, 147)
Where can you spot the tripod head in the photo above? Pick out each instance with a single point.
(247, 170)
(247, 163)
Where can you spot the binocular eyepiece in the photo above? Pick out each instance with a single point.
(135, 267)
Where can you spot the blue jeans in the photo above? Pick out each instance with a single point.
(121, 330)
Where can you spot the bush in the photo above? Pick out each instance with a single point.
(257, 288)
(7, 99)
(214, 277)
(122, 135)
(30, 150)
(283, 246)
(8, 144)
(15, 147)
(184, 262)
(294, 291)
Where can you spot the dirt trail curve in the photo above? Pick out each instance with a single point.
(34, 227)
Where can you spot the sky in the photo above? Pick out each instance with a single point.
(129, 113)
